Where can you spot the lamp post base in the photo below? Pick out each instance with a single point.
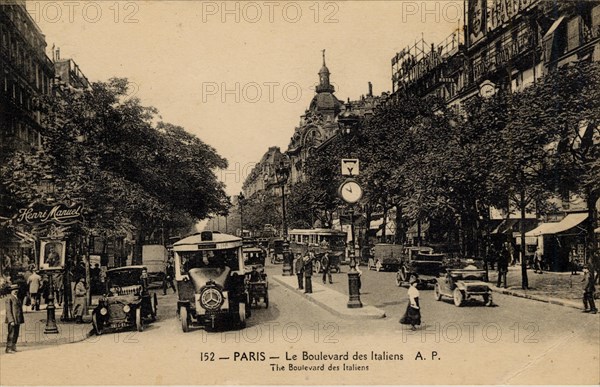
(287, 262)
(354, 290)
(51, 327)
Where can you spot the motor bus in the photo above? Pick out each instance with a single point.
(319, 241)
(209, 270)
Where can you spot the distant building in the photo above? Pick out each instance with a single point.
(69, 74)
(26, 73)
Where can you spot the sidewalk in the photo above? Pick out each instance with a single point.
(555, 288)
(32, 332)
(329, 299)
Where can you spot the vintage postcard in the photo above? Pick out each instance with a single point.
(299, 192)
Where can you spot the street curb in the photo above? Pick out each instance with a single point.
(59, 341)
(367, 312)
(535, 297)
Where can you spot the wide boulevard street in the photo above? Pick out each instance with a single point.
(519, 341)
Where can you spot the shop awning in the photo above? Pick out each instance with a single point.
(505, 226)
(390, 229)
(568, 222)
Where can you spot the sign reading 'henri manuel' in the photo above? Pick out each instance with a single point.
(38, 213)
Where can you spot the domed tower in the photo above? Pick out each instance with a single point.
(324, 102)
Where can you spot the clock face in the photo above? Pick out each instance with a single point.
(351, 191)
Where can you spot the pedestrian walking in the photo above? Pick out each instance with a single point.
(14, 318)
(537, 261)
(589, 287)
(412, 316)
(573, 261)
(34, 283)
(503, 259)
(58, 285)
(308, 269)
(299, 266)
(80, 303)
(326, 266)
(168, 278)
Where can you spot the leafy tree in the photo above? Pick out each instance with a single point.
(102, 149)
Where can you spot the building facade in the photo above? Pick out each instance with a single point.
(508, 45)
(26, 74)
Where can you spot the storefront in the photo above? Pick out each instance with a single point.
(561, 242)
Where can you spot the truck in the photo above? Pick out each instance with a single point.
(154, 257)
(386, 257)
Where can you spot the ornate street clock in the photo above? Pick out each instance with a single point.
(350, 191)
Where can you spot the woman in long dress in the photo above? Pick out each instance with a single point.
(412, 316)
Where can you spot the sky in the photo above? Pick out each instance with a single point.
(239, 74)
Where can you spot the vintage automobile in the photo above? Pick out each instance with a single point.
(276, 250)
(211, 281)
(253, 256)
(127, 302)
(462, 285)
(421, 263)
(386, 256)
(257, 285)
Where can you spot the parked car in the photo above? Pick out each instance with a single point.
(421, 263)
(386, 256)
(462, 285)
(127, 302)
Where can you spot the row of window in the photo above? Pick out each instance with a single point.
(19, 127)
(26, 56)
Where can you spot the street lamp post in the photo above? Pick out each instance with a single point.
(240, 200)
(282, 172)
(351, 192)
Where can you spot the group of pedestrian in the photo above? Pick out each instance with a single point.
(303, 267)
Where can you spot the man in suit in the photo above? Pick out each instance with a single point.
(14, 318)
(326, 266)
(299, 266)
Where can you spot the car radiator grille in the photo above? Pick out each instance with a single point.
(116, 311)
(127, 290)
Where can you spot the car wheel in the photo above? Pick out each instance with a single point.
(154, 305)
(487, 300)
(266, 300)
(242, 315)
(459, 297)
(97, 324)
(139, 323)
(403, 274)
(436, 292)
(398, 279)
(185, 319)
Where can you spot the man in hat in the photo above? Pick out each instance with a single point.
(299, 268)
(589, 287)
(14, 318)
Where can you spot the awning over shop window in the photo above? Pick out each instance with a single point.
(567, 223)
(390, 229)
(505, 226)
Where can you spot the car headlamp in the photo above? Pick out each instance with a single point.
(126, 309)
(103, 311)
